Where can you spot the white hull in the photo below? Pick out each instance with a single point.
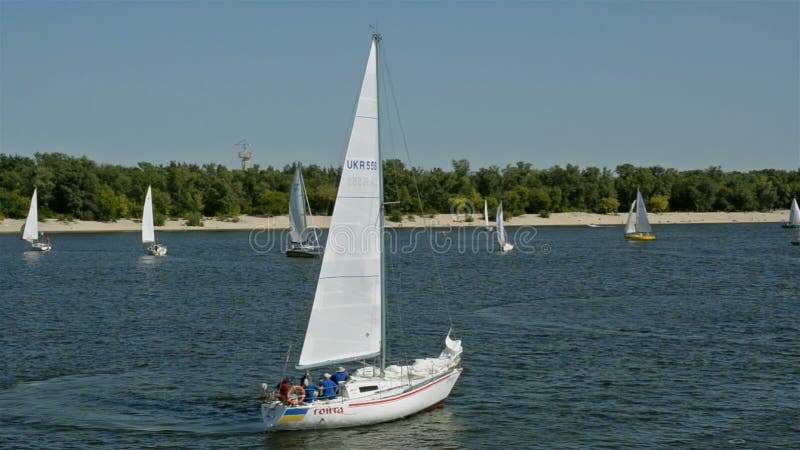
(304, 250)
(507, 247)
(397, 402)
(41, 247)
(157, 250)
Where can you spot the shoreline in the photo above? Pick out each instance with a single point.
(244, 222)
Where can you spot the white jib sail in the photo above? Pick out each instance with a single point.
(486, 213)
(31, 231)
(630, 227)
(297, 209)
(501, 229)
(148, 231)
(345, 322)
(794, 213)
(642, 224)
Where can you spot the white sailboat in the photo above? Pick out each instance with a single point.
(505, 246)
(348, 321)
(30, 231)
(486, 225)
(148, 230)
(638, 226)
(794, 216)
(302, 243)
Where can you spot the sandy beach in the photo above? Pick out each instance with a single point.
(12, 226)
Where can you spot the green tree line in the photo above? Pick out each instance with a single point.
(78, 188)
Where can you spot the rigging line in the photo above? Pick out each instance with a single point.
(306, 273)
(398, 257)
(395, 260)
(398, 275)
(308, 205)
(416, 185)
(391, 139)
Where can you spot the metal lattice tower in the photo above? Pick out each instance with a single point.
(246, 155)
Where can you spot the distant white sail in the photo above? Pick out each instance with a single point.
(148, 231)
(794, 214)
(642, 224)
(501, 229)
(347, 319)
(486, 213)
(297, 208)
(630, 227)
(31, 231)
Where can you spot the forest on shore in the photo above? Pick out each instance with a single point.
(78, 188)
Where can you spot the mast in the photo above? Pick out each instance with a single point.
(377, 38)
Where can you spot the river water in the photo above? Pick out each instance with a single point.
(577, 339)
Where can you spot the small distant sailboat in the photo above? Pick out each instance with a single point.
(638, 227)
(505, 246)
(30, 231)
(794, 216)
(148, 230)
(486, 225)
(348, 316)
(303, 244)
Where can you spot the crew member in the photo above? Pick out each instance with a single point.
(283, 389)
(311, 392)
(340, 376)
(329, 387)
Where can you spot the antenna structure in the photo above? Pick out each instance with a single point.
(245, 154)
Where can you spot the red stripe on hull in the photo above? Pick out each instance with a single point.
(376, 402)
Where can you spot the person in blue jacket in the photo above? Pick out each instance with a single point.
(311, 392)
(340, 375)
(329, 387)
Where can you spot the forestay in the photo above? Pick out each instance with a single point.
(346, 318)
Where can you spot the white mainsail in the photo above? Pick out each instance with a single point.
(347, 319)
(148, 231)
(642, 224)
(297, 209)
(31, 231)
(501, 230)
(630, 227)
(794, 214)
(486, 213)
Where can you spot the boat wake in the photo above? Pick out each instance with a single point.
(124, 402)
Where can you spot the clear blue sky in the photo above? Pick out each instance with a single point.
(684, 84)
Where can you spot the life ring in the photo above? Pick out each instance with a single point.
(296, 395)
